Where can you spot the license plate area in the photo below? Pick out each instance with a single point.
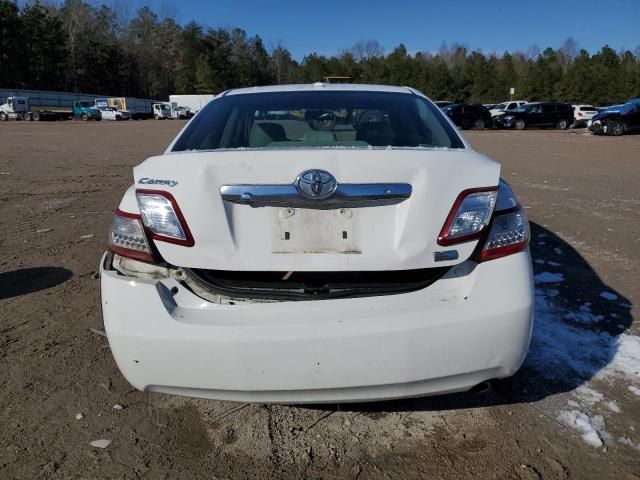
(302, 230)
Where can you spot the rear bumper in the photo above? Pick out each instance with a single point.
(472, 325)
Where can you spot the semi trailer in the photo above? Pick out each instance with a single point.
(22, 108)
(48, 105)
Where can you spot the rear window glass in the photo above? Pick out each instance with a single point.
(588, 109)
(318, 119)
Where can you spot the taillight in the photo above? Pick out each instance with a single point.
(509, 231)
(509, 234)
(469, 216)
(127, 237)
(162, 217)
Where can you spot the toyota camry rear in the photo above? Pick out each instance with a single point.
(317, 243)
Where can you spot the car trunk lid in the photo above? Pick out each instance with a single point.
(316, 236)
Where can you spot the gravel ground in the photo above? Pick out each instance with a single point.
(573, 411)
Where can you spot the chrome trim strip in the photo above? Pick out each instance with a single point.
(348, 195)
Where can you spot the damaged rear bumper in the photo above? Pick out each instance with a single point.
(472, 325)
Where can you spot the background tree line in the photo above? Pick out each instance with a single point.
(73, 46)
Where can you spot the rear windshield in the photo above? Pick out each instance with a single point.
(318, 119)
(588, 109)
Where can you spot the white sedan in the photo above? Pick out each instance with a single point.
(110, 113)
(354, 249)
(583, 115)
(505, 107)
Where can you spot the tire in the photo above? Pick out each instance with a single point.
(520, 125)
(26, 117)
(118, 118)
(616, 128)
(479, 124)
(84, 117)
(562, 124)
(35, 116)
(3, 117)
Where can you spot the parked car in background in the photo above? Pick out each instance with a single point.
(467, 115)
(111, 113)
(538, 114)
(501, 108)
(183, 113)
(322, 256)
(617, 120)
(138, 108)
(443, 103)
(582, 114)
(194, 103)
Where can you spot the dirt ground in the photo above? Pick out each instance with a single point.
(60, 182)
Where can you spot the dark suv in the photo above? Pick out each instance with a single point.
(617, 120)
(466, 115)
(538, 114)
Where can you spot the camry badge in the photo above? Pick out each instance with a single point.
(156, 181)
(316, 184)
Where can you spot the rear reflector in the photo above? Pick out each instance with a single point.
(470, 215)
(509, 234)
(162, 217)
(127, 237)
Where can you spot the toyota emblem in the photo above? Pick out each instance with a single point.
(316, 184)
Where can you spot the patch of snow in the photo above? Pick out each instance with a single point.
(627, 441)
(585, 424)
(627, 357)
(609, 296)
(554, 264)
(583, 315)
(548, 277)
(588, 395)
(539, 261)
(613, 406)
(635, 390)
(560, 349)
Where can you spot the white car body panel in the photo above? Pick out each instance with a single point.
(239, 237)
(448, 337)
(471, 324)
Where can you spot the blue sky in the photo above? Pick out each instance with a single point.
(329, 26)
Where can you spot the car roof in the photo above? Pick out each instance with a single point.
(320, 86)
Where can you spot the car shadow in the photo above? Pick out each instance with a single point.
(576, 334)
(28, 280)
